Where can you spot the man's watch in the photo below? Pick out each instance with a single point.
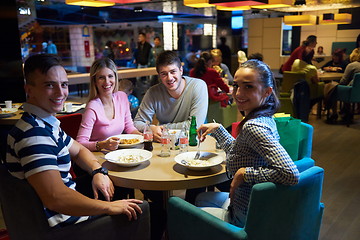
(100, 170)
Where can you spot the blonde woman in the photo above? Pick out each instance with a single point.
(220, 67)
(107, 112)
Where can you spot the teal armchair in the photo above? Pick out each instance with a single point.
(350, 95)
(276, 212)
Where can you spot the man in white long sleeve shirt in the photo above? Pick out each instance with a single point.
(174, 100)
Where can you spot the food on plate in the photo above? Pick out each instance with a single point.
(130, 158)
(4, 111)
(198, 163)
(129, 141)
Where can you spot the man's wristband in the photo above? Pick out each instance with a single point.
(100, 170)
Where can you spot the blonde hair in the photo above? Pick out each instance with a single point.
(216, 53)
(355, 55)
(95, 68)
(241, 56)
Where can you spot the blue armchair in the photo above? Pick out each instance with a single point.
(350, 95)
(275, 212)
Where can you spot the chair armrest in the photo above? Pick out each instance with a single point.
(304, 164)
(343, 93)
(185, 221)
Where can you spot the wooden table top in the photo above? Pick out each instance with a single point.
(163, 173)
(330, 76)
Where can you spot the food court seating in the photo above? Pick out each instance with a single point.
(25, 217)
(349, 95)
(301, 108)
(276, 212)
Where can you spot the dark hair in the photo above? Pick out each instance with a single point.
(157, 38)
(142, 34)
(358, 41)
(310, 39)
(41, 62)
(339, 52)
(200, 65)
(167, 58)
(257, 56)
(267, 79)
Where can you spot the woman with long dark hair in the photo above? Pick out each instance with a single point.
(256, 155)
(212, 78)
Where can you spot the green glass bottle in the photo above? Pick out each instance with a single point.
(192, 132)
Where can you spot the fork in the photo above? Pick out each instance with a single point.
(197, 155)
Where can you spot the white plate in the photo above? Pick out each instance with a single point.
(211, 159)
(130, 136)
(7, 112)
(115, 155)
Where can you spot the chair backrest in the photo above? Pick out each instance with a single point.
(287, 212)
(70, 123)
(305, 141)
(289, 80)
(22, 209)
(355, 91)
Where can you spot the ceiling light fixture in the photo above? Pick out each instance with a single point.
(241, 8)
(340, 18)
(300, 20)
(274, 4)
(127, 1)
(237, 3)
(300, 2)
(198, 3)
(89, 3)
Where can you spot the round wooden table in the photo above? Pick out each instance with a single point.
(163, 173)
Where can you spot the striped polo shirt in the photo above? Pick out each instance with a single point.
(37, 144)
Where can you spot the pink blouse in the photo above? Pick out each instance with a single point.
(95, 126)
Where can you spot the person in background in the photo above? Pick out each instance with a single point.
(40, 152)
(108, 50)
(107, 112)
(143, 53)
(127, 87)
(347, 79)
(220, 67)
(256, 155)
(51, 48)
(241, 57)
(44, 47)
(203, 70)
(358, 41)
(305, 52)
(225, 50)
(257, 56)
(320, 51)
(156, 50)
(337, 64)
(174, 100)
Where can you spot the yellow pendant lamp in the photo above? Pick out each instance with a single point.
(340, 18)
(197, 3)
(300, 20)
(90, 3)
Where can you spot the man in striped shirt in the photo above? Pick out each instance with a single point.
(41, 152)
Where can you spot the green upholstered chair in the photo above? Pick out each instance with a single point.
(224, 115)
(350, 95)
(303, 160)
(276, 212)
(25, 218)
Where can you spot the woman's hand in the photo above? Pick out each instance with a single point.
(238, 180)
(103, 184)
(206, 129)
(111, 143)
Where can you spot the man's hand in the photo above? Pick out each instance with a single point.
(157, 132)
(238, 180)
(126, 206)
(103, 184)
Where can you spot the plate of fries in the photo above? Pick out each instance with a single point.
(129, 140)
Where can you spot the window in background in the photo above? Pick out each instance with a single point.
(286, 40)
